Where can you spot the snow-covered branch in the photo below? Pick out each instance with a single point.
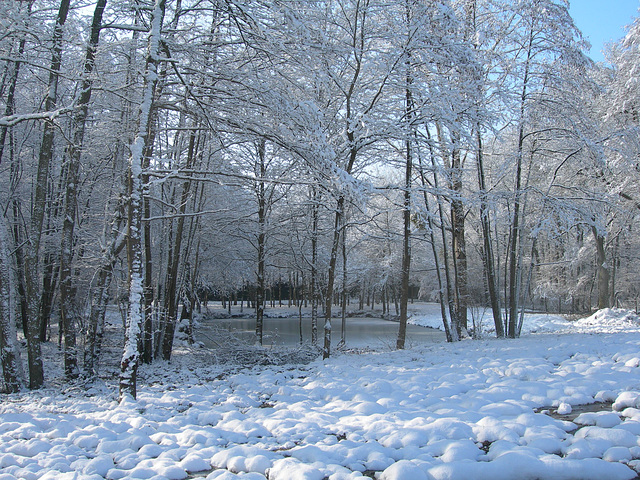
(12, 120)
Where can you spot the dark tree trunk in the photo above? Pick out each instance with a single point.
(602, 272)
(100, 297)
(436, 258)
(326, 349)
(514, 272)
(262, 225)
(315, 290)
(68, 304)
(173, 270)
(487, 250)
(36, 369)
(343, 329)
(406, 208)
(9, 353)
(458, 240)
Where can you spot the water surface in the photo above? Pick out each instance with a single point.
(360, 332)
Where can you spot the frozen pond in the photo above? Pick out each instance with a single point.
(360, 332)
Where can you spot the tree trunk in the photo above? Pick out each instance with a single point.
(406, 210)
(326, 349)
(51, 257)
(95, 327)
(130, 356)
(19, 255)
(459, 243)
(14, 178)
(445, 252)
(514, 248)
(173, 270)
(36, 369)
(436, 258)
(13, 81)
(147, 328)
(9, 353)
(488, 257)
(262, 225)
(602, 271)
(514, 244)
(68, 304)
(315, 290)
(100, 297)
(615, 264)
(343, 329)
(487, 250)
(51, 270)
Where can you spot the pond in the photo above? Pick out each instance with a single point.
(374, 333)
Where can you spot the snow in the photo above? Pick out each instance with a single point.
(564, 409)
(562, 403)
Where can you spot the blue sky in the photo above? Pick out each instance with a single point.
(602, 21)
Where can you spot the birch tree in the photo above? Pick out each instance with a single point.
(130, 356)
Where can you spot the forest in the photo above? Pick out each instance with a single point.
(156, 154)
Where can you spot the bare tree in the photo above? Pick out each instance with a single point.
(135, 313)
(69, 304)
(9, 353)
(36, 368)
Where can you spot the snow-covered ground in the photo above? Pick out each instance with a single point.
(479, 409)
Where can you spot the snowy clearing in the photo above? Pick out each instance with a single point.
(487, 409)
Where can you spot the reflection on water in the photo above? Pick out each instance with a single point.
(360, 332)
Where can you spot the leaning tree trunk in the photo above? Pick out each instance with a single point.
(487, 251)
(130, 356)
(36, 369)
(100, 294)
(453, 314)
(436, 256)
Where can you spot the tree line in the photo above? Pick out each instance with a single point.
(155, 151)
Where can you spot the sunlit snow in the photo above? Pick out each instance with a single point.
(563, 403)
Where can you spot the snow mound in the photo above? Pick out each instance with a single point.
(485, 409)
(610, 318)
(607, 320)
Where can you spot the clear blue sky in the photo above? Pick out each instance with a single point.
(603, 21)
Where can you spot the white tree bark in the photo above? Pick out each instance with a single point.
(131, 355)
